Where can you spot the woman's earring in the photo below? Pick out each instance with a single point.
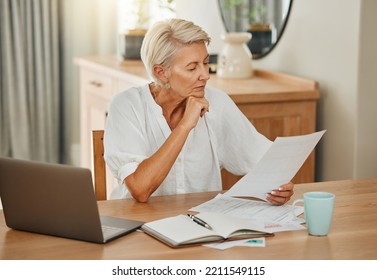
(167, 86)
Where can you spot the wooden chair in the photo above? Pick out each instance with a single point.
(99, 165)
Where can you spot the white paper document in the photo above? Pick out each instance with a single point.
(277, 167)
(274, 218)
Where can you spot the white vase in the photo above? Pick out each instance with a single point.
(235, 60)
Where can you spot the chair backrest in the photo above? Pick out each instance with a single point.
(99, 165)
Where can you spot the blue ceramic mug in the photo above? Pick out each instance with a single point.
(318, 211)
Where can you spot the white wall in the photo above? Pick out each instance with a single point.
(333, 42)
(366, 141)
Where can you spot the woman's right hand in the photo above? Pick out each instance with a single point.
(195, 109)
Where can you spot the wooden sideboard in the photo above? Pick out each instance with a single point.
(277, 104)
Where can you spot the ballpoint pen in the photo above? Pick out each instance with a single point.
(199, 221)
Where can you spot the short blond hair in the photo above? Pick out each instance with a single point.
(164, 38)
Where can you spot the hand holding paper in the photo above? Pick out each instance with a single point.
(277, 167)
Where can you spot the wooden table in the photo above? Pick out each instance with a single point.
(353, 234)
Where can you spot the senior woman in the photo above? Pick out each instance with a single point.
(175, 134)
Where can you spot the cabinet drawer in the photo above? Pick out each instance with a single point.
(97, 83)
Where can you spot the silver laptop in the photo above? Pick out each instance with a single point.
(56, 200)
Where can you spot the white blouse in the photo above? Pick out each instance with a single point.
(223, 138)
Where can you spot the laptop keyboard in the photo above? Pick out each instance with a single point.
(110, 231)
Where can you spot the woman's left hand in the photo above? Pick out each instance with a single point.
(281, 195)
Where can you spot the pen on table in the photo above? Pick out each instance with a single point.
(199, 221)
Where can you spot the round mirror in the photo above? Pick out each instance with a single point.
(264, 19)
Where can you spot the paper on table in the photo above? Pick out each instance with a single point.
(254, 242)
(277, 167)
(252, 210)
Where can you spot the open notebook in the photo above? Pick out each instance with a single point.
(181, 230)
